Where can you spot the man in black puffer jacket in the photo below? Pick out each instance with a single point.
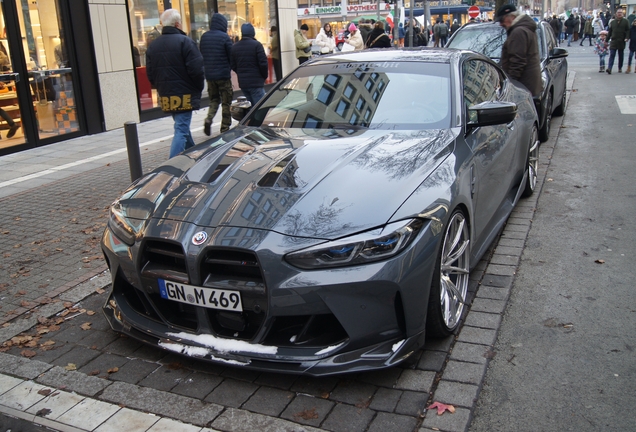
(250, 64)
(174, 67)
(216, 47)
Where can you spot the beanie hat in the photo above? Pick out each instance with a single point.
(247, 29)
(304, 27)
(352, 27)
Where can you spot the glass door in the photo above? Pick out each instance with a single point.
(40, 95)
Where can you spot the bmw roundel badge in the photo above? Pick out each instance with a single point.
(199, 238)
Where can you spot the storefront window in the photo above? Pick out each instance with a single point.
(195, 14)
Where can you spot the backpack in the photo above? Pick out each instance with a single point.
(443, 30)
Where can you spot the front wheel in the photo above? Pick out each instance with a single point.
(450, 281)
(532, 164)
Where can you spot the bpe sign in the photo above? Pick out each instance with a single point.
(473, 11)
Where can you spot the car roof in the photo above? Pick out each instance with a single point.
(429, 55)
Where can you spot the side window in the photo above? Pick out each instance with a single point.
(481, 82)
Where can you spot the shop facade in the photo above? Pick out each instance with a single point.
(77, 67)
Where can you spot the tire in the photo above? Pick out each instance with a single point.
(532, 165)
(544, 132)
(560, 110)
(449, 287)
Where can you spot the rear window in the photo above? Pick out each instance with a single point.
(382, 95)
(487, 40)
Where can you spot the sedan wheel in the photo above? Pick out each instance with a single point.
(533, 165)
(450, 284)
(544, 133)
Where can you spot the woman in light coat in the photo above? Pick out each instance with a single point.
(597, 25)
(355, 39)
(325, 40)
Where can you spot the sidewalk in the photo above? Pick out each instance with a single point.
(59, 354)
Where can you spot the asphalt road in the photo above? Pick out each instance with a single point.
(566, 348)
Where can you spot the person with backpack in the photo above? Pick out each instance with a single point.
(441, 33)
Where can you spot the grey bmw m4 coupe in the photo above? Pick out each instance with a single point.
(334, 228)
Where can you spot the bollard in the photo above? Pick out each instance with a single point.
(132, 144)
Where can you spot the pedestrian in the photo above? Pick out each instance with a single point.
(454, 27)
(583, 20)
(249, 62)
(13, 126)
(632, 46)
(520, 51)
(274, 52)
(569, 28)
(364, 27)
(631, 17)
(355, 38)
(378, 38)
(401, 34)
(588, 32)
(174, 67)
(601, 47)
(216, 48)
(325, 40)
(618, 34)
(303, 46)
(441, 33)
(577, 27)
(598, 26)
(554, 24)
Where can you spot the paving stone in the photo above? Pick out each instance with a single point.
(278, 380)
(483, 320)
(22, 396)
(236, 420)
(497, 280)
(123, 346)
(514, 234)
(457, 394)
(493, 293)
(417, 380)
(181, 361)
(488, 305)
(8, 382)
(385, 399)
(519, 221)
(88, 414)
(512, 260)
(515, 250)
(127, 419)
(432, 360)
(307, 410)
(134, 371)
(232, 393)
(469, 373)
(269, 401)
(22, 367)
(162, 403)
(164, 378)
(57, 403)
(240, 374)
(150, 353)
(439, 344)
(502, 270)
(381, 378)
(101, 364)
(99, 339)
(70, 333)
(79, 356)
(169, 425)
(456, 422)
(347, 418)
(412, 403)
(78, 382)
(319, 387)
(470, 352)
(477, 335)
(353, 392)
(53, 352)
(384, 422)
(197, 385)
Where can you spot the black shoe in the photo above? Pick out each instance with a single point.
(12, 130)
(608, 71)
(620, 71)
(206, 127)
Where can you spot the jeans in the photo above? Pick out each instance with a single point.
(587, 36)
(220, 92)
(182, 138)
(629, 59)
(253, 94)
(610, 63)
(601, 58)
(570, 38)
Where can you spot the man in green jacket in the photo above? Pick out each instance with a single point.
(619, 34)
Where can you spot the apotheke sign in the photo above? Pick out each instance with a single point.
(351, 9)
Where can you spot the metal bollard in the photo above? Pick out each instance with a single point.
(132, 144)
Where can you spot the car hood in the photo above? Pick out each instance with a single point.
(304, 183)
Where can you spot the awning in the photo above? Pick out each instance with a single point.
(445, 10)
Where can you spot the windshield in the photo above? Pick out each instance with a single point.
(486, 40)
(383, 95)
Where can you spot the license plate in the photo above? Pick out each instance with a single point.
(199, 296)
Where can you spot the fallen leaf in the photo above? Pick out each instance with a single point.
(86, 326)
(100, 291)
(308, 414)
(45, 392)
(441, 408)
(112, 370)
(47, 343)
(28, 353)
(90, 313)
(93, 373)
(43, 412)
(600, 261)
(70, 367)
(20, 293)
(68, 305)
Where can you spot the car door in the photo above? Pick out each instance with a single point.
(556, 68)
(492, 169)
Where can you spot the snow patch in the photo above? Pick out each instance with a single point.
(226, 345)
(329, 349)
(396, 346)
(197, 352)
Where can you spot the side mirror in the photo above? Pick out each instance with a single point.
(558, 53)
(491, 113)
(239, 108)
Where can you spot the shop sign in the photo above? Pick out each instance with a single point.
(337, 10)
(439, 3)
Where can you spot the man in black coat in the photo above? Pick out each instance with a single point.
(249, 61)
(174, 67)
(216, 47)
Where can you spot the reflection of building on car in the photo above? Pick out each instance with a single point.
(257, 248)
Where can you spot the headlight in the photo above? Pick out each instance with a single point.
(362, 248)
(124, 227)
